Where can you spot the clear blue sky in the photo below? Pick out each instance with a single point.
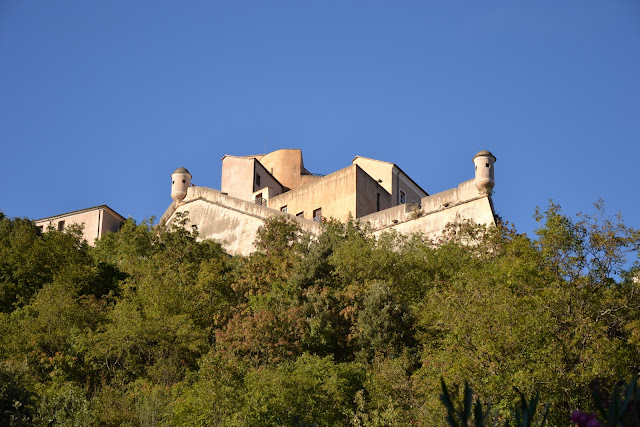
(101, 101)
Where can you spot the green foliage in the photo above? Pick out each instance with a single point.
(128, 249)
(383, 327)
(525, 318)
(262, 337)
(309, 390)
(29, 260)
(388, 396)
(212, 395)
(64, 404)
(154, 327)
(623, 407)
(527, 415)
(472, 412)
(591, 252)
(17, 401)
(278, 235)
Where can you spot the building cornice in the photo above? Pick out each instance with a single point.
(66, 214)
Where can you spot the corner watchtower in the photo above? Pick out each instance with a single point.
(484, 179)
(180, 181)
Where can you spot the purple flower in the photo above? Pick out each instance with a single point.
(584, 419)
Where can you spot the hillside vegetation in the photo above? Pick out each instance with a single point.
(153, 327)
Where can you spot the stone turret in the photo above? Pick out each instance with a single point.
(180, 181)
(484, 179)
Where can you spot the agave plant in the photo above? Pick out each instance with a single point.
(472, 413)
(462, 417)
(622, 409)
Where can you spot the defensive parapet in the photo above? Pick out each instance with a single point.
(435, 212)
(234, 219)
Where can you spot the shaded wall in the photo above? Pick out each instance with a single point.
(110, 223)
(392, 179)
(234, 222)
(230, 221)
(370, 195)
(266, 181)
(436, 211)
(380, 171)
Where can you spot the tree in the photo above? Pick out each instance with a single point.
(533, 315)
(308, 391)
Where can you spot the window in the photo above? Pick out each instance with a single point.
(403, 197)
(317, 215)
(378, 203)
(283, 209)
(60, 225)
(487, 164)
(259, 200)
(41, 228)
(258, 180)
(300, 214)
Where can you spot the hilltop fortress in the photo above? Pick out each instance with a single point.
(257, 188)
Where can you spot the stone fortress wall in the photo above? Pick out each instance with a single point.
(230, 221)
(234, 222)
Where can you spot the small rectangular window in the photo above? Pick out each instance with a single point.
(300, 214)
(258, 180)
(402, 198)
(41, 228)
(60, 225)
(259, 200)
(283, 209)
(317, 215)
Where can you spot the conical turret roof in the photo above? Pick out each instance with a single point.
(485, 153)
(181, 170)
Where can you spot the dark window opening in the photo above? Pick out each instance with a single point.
(41, 228)
(317, 215)
(403, 197)
(300, 214)
(60, 225)
(259, 200)
(258, 180)
(378, 203)
(183, 181)
(487, 164)
(173, 182)
(283, 209)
